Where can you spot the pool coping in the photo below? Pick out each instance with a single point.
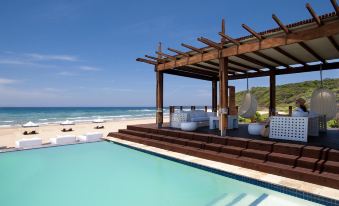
(45, 145)
(305, 190)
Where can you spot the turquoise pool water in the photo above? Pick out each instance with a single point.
(104, 173)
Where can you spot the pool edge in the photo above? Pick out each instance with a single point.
(317, 198)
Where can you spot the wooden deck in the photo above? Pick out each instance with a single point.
(328, 139)
(303, 161)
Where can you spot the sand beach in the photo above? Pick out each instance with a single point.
(8, 136)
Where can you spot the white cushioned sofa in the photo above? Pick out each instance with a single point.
(199, 116)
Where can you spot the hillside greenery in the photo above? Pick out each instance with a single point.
(287, 94)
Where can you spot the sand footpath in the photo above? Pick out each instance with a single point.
(8, 136)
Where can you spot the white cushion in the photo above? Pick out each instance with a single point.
(299, 114)
(28, 143)
(199, 119)
(94, 136)
(63, 139)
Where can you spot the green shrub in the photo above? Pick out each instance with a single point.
(332, 123)
(258, 118)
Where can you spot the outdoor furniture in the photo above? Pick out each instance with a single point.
(214, 122)
(232, 122)
(28, 143)
(63, 139)
(255, 128)
(177, 118)
(90, 137)
(289, 128)
(249, 106)
(199, 116)
(188, 126)
(67, 130)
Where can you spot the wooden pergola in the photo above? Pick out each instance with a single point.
(304, 46)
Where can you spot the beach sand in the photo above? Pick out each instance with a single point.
(8, 136)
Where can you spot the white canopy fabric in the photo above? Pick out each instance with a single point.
(67, 122)
(30, 124)
(98, 121)
(249, 106)
(323, 102)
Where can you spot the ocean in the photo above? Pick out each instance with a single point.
(16, 116)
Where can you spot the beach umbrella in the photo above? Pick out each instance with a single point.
(30, 124)
(67, 122)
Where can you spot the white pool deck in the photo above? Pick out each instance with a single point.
(262, 176)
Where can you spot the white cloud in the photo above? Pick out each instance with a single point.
(50, 89)
(49, 57)
(13, 61)
(65, 73)
(109, 89)
(89, 68)
(7, 81)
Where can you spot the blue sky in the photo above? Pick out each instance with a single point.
(82, 52)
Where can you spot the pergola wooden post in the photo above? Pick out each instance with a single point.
(223, 101)
(159, 94)
(272, 109)
(214, 96)
(160, 98)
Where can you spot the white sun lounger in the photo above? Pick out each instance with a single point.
(63, 139)
(28, 143)
(90, 137)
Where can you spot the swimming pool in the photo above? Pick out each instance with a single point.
(105, 173)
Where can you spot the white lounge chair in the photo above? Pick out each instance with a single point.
(28, 143)
(63, 139)
(90, 137)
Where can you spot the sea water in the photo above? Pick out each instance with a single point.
(15, 116)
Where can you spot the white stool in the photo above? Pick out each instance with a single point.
(188, 126)
(255, 128)
(214, 122)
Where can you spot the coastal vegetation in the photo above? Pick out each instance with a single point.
(286, 94)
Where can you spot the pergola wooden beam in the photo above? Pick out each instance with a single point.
(189, 74)
(328, 29)
(212, 63)
(271, 59)
(333, 42)
(210, 43)
(179, 52)
(192, 48)
(281, 25)
(285, 53)
(166, 55)
(308, 68)
(311, 51)
(303, 44)
(314, 15)
(229, 38)
(156, 59)
(335, 6)
(236, 69)
(146, 61)
(206, 67)
(258, 36)
(254, 61)
(242, 65)
(200, 71)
